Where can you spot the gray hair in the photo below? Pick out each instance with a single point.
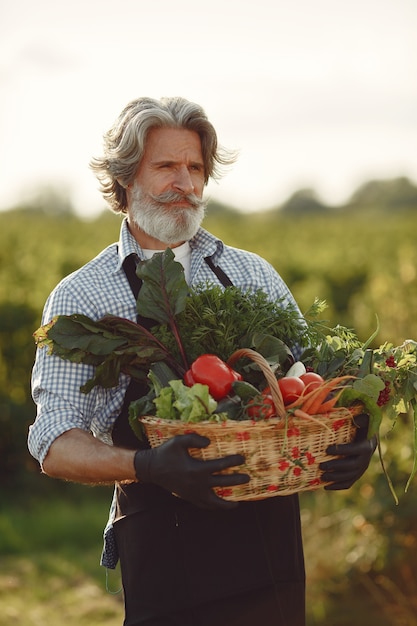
(124, 143)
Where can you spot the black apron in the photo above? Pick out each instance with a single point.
(187, 555)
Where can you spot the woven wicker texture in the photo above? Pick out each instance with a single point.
(282, 454)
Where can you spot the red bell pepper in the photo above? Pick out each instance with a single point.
(188, 378)
(210, 370)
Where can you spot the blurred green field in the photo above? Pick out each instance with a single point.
(361, 549)
(50, 548)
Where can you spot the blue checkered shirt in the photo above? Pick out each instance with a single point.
(98, 288)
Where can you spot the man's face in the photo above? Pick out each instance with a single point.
(165, 202)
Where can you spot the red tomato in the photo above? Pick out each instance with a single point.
(312, 380)
(291, 388)
(261, 407)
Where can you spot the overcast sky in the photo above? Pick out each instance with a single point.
(313, 93)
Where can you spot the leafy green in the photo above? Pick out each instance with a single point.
(164, 404)
(163, 294)
(112, 344)
(141, 406)
(351, 396)
(188, 404)
(220, 321)
(370, 385)
(78, 339)
(164, 290)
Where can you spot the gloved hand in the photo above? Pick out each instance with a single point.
(171, 466)
(354, 459)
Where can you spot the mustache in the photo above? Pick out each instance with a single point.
(172, 196)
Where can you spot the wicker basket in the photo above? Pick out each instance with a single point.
(282, 454)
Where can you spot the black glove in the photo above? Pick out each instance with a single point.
(170, 466)
(354, 459)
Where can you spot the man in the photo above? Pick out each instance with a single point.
(192, 559)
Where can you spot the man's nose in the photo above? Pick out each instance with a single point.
(183, 181)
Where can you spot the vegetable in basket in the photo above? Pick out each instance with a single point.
(209, 369)
(203, 320)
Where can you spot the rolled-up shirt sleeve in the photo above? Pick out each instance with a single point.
(61, 406)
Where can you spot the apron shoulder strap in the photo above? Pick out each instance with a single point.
(221, 275)
(129, 267)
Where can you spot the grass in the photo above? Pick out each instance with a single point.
(49, 570)
(46, 589)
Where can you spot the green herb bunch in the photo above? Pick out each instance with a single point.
(220, 321)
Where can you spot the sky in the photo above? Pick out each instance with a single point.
(317, 94)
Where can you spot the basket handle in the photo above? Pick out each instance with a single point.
(267, 372)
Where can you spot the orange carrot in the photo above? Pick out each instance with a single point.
(299, 401)
(318, 397)
(329, 404)
(310, 418)
(312, 404)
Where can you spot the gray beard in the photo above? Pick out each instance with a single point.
(168, 224)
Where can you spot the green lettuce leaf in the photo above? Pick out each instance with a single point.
(188, 404)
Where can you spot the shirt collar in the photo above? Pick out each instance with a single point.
(207, 243)
(127, 245)
(203, 242)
